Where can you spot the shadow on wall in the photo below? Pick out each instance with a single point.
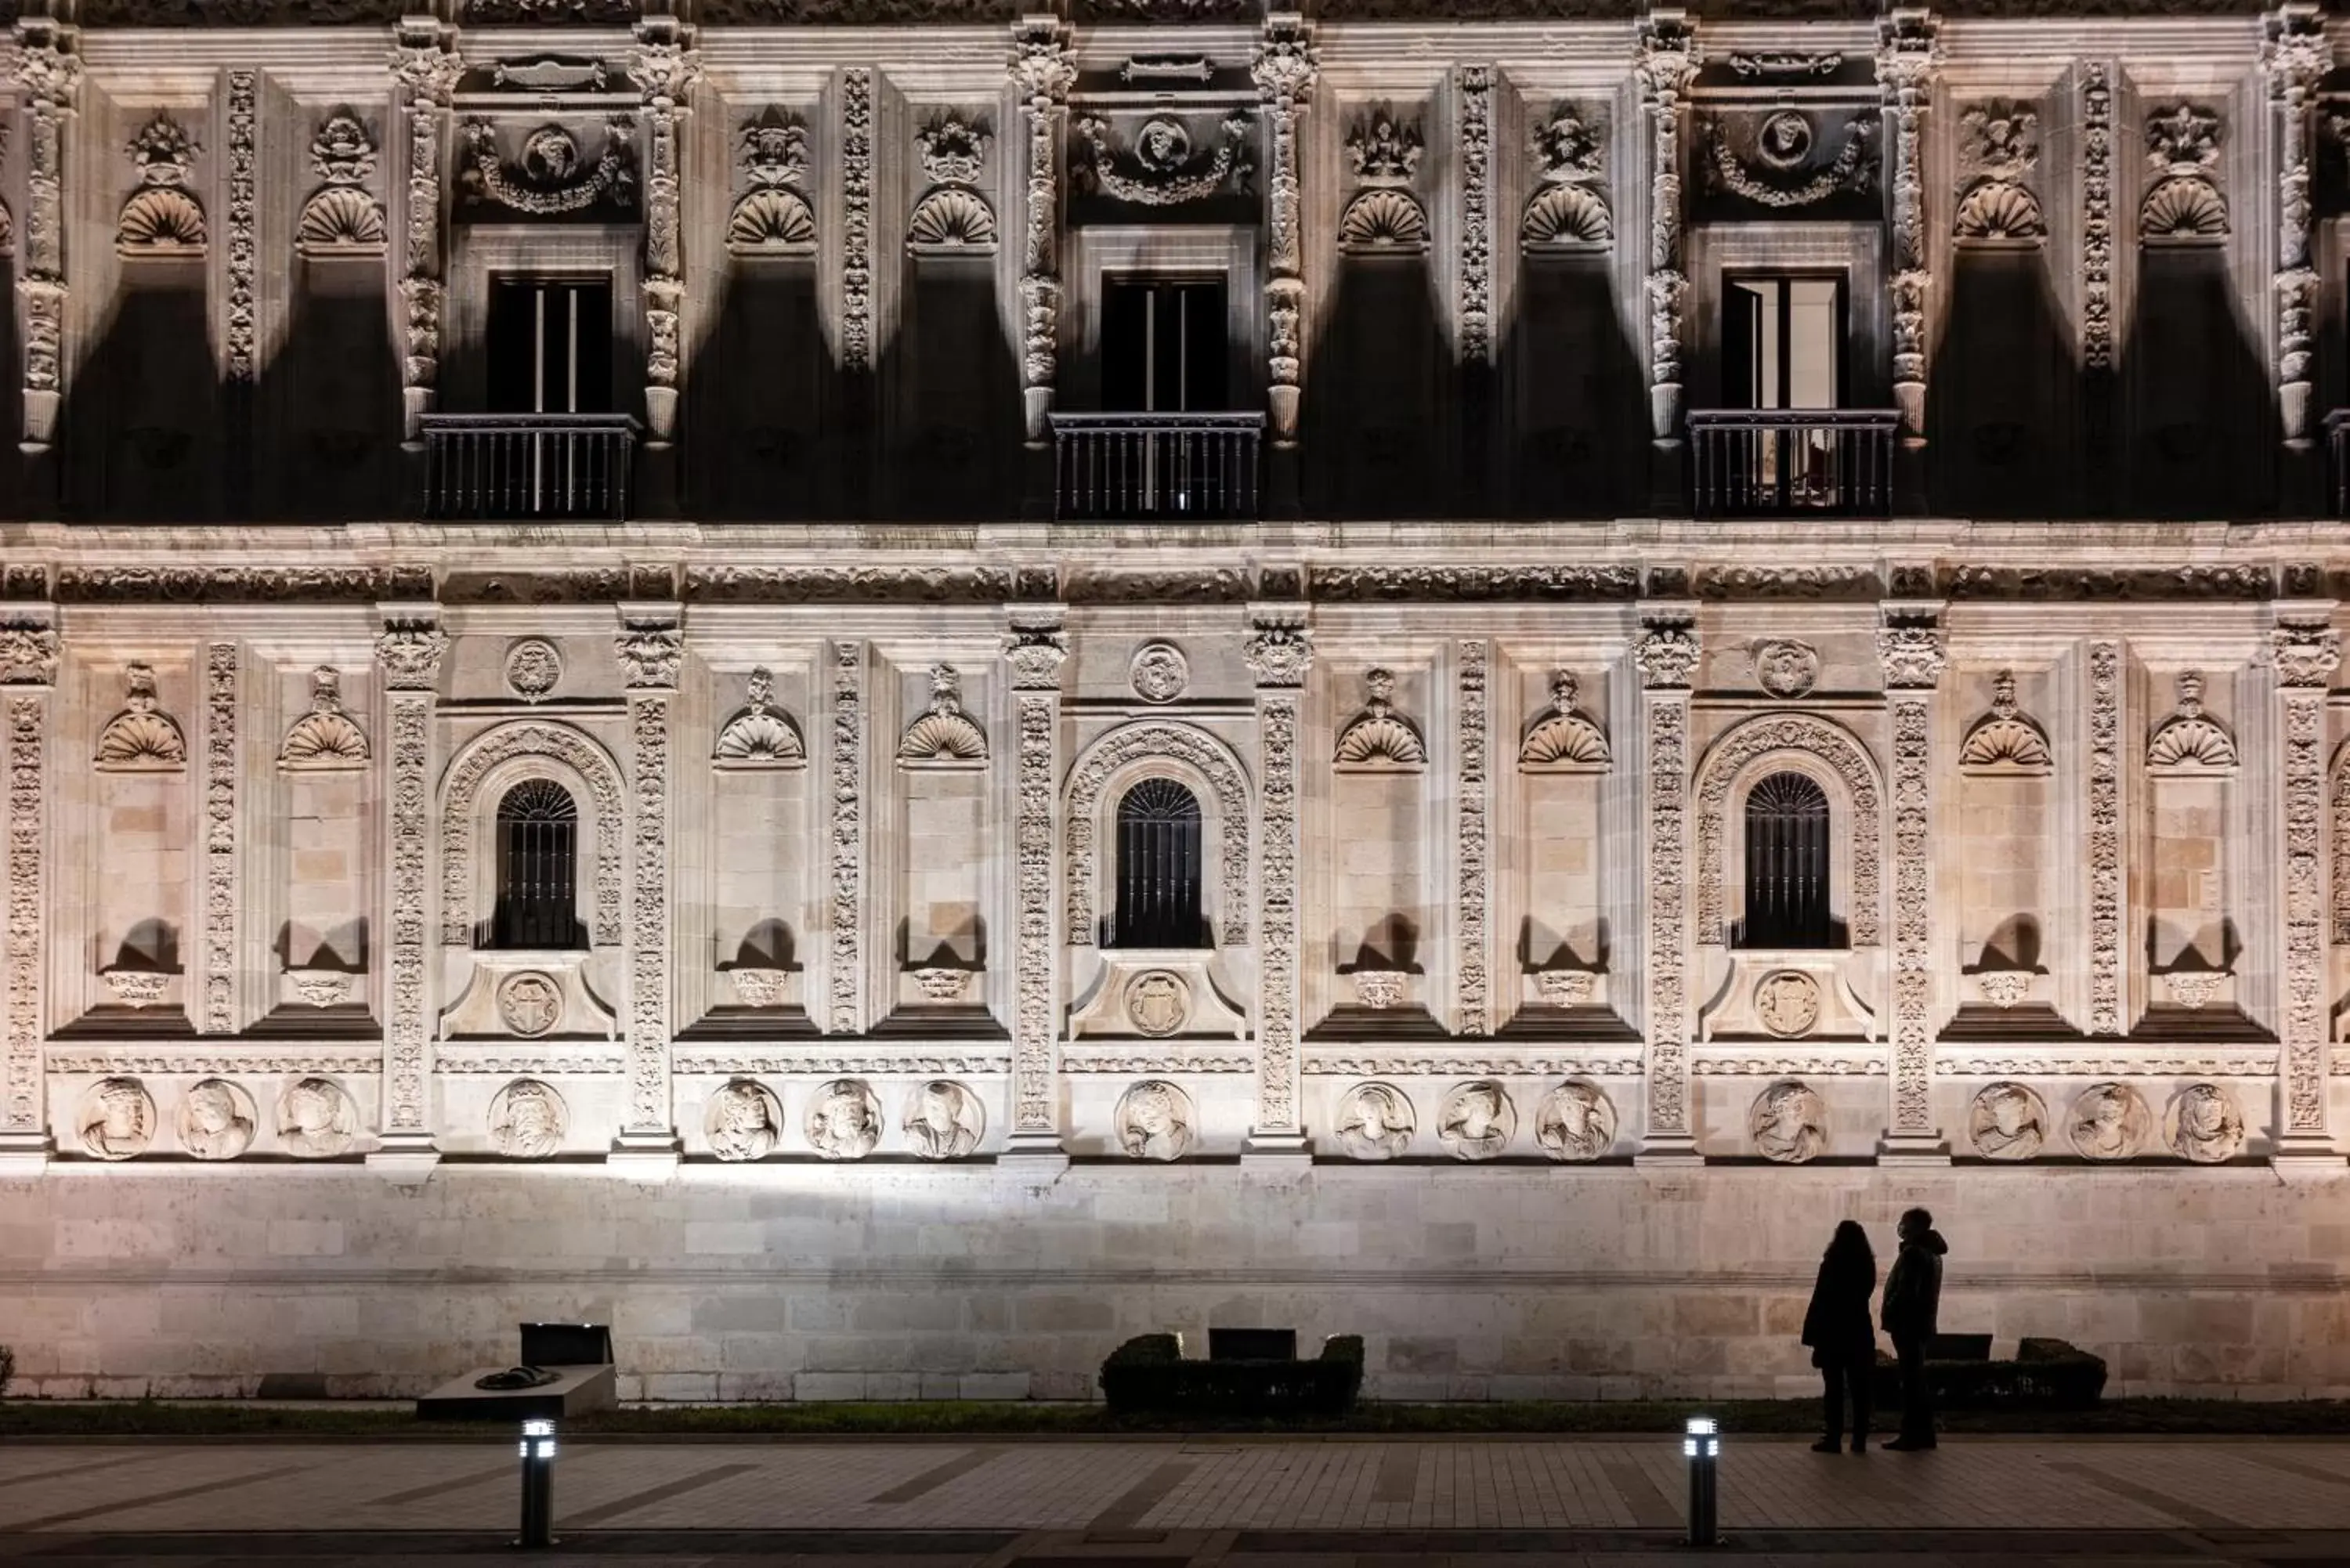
(142, 417)
(770, 422)
(327, 445)
(1381, 399)
(2202, 421)
(2005, 398)
(17, 498)
(950, 386)
(1577, 410)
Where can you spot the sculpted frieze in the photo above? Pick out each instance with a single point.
(1389, 1064)
(821, 1059)
(241, 585)
(1163, 162)
(240, 13)
(1782, 159)
(1466, 584)
(2127, 582)
(1814, 583)
(854, 13)
(849, 585)
(549, 175)
(550, 13)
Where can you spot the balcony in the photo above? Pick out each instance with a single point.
(528, 465)
(1120, 468)
(1792, 462)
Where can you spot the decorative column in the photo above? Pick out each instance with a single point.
(1475, 83)
(1907, 58)
(1043, 68)
(2097, 273)
(2109, 1015)
(1285, 70)
(650, 647)
(49, 74)
(2295, 58)
(409, 653)
(28, 673)
(664, 70)
(1280, 652)
(1909, 647)
(1668, 63)
(427, 66)
(2306, 650)
(845, 969)
(1036, 648)
(221, 1013)
(1667, 655)
(1471, 936)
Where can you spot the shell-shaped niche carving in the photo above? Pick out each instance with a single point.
(952, 220)
(142, 738)
(945, 736)
(340, 220)
(1563, 741)
(2004, 741)
(1383, 219)
(1999, 210)
(1567, 217)
(324, 740)
(160, 221)
(2189, 741)
(2184, 209)
(771, 220)
(760, 735)
(1380, 739)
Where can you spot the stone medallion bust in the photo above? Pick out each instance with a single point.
(216, 1120)
(526, 1120)
(844, 1120)
(1575, 1122)
(117, 1119)
(1375, 1122)
(742, 1120)
(1789, 1122)
(1155, 1120)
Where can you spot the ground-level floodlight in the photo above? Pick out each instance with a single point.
(1702, 1446)
(537, 1447)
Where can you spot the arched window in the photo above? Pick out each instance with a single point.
(1787, 866)
(1157, 869)
(538, 868)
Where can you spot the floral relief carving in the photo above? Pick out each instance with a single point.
(1285, 70)
(28, 911)
(944, 736)
(846, 976)
(773, 217)
(1162, 168)
(1912, 714)
(1036, 649)
(1042, 68)
(1178, 743)
(142, 738)
(1769, 161)
(2304, 1021)
(2097, 216)
(1486, 1063)
(1473, 961)
(2004, 739)
(2189, 741)
(1474, 85)
(221, 775)
(326, 739)
(857, 219)
(163, 216)
(759, 734)
(2182, 199)
(651, 651)
(1667, 654)
(1379, 739)
(1999, 147)
(1844, 756)
(243, 90)
(2104, 838)
(1561, 739)
(409, 654)
(462, 785)
(1278, 952)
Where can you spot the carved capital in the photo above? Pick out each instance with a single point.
(1035, 647)
(1910, 648)
(1280, 651)
(1043, 66)
(28, 654)
(2294, 52)
(1286, 62)
(409, 651)
(1667, 653)
(2305, 654)
(663, 66)
(1669, 56)
(45, 66)
(650, 649)
(426, 62)
(1908, 54)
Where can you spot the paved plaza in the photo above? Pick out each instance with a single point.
(1188, 1503)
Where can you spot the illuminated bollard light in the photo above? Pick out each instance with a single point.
(1702, 1446)
(537, 1449)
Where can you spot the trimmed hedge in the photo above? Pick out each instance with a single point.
(1147, 1375)
(2046, 1375)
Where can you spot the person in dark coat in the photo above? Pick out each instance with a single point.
(1836, 1327)
(1913, 1301)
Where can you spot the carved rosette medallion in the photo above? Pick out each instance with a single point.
(529, 1003)
(221, 901)
(409, 654)
(1158, 672)
(534, 668)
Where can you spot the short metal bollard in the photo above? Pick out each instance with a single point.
(1702, 1446)
(537, 1484)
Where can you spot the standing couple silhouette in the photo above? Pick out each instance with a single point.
(1843, 1340)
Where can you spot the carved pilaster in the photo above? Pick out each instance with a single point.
(2097, 216)
(857, 220)
(1471, 936)
(48, 74)
(1667, 62)
(2306, 650)
(844, 969)
(426, 65)
(1907, 58)
(1280, 655)
(1910, 649)
(408, 654)
(2295, 58)
(650, 648)
(28, 668)
(220, 1013)
(1286, 65)
(1476, 87)
(2106, 1012)
(1036, 649)
(1043, 69)
(243, 210)
(1667, 655)
(664, 70)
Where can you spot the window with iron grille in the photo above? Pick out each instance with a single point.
(1787, 866)
(538, 868)
(1157, 869)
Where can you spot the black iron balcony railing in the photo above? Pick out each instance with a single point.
(1792, 462)
(1111, 467)
(528, 465)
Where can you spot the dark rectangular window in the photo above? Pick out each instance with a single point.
(1783, 342)
(550, 346)
(1163, 345)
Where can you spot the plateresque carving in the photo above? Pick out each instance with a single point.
(1786, 669)
(952, 217)
(527, 1120)
(1158, 672)
(324, 739)
(743, 1120)
(1758, 738)
(1568, 209)
(944, 1120)
(1787, 1002)
(162, 217)
(1998, 146)
(2182, 205)
(342, 217)
(1134, 742)
(1476, 1120)
(2004, 741)
(1562, 739)
(529, 1003)
(1157, 1003)
(1788, 1123)
(552, 178)
(117, 1120)
(1379, 740)
(2007, 1120)
(317, 1120)
(759, 734)
(944, 736)
(530, 738)
(1574, 1123)
(142, 738)
(534, 668)
(2203, 1124)
(1155, 1120)
(773, 217)
(1162, 168)
(1375, 1121)
(217, 1119)
(1769, 161)
(2108, 1121)
(2189, 741)
(1384, 216)
(844, 1119)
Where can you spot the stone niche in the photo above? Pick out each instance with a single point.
(138, 857)
(2193, 907)
(1559, 944)
(1382, 929)
(2008, 806)
(942, 782)
(758, 838)
(321, 836)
